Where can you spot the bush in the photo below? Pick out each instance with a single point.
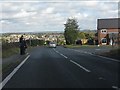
(36, 42)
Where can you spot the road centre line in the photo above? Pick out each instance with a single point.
(60, 53)
(80, 66)
(74, 62)
(64, 56)
(56, 51)
(2, 84)
(115, 87)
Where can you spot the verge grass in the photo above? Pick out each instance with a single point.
(9, 52)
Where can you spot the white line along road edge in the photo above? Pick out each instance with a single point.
(80, 66)
(95, 55)
(2, 84)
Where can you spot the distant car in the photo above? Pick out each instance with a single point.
(52, 44)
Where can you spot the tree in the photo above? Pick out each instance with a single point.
(71, 31)
(82, 35)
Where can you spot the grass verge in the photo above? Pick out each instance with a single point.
(10, 52)
(80, 46)
(88, 46)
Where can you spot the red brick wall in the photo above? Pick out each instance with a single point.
(112, 30)
(101, 35)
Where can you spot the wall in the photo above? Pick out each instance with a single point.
(101, 35)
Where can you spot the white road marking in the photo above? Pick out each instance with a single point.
(56, 51)
(108, 58)
(60, 53)
(115, 87)
(64, 56)
(80, 66)
(96, 55)
(73, 62)
(101, 78)
(12, 73)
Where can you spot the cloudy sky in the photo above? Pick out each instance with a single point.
(37, 16)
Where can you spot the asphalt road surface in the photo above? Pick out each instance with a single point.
(65, 68)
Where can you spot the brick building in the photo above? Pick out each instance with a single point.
(108, 31)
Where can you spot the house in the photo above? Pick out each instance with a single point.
(108, 31)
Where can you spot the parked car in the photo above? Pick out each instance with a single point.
(52, 44)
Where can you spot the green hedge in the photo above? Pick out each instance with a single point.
(35, 42)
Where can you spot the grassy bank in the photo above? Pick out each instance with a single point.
(10, 52)
(80, 46)
(87, 46)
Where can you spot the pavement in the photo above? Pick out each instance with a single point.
(65, 68)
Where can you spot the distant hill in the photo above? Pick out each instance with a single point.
(93, 31)
(33, 32)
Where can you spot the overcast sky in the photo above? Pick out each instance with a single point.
(37, 16)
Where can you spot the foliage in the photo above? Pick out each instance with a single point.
(6, 46)
(36, 42)
(89, 35)
(47, 42)
(82, 35)
(71, 31)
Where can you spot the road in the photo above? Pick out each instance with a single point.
(64, 68)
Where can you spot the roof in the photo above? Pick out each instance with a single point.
(111, 23)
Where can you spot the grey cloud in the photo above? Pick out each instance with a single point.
(85, 13)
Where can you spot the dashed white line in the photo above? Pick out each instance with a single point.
(101, 78)
(64, 56)
(2, 84)
(60, 53)
(80, 66)
(73, 62)
(115, 87)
